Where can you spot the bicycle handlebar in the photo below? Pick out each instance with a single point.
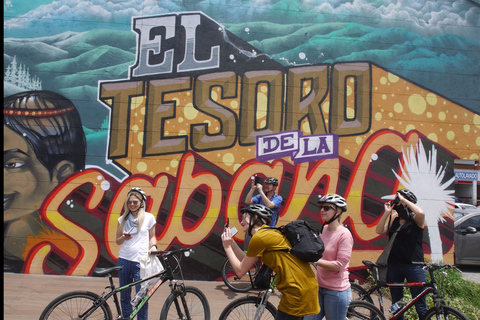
(436, 266)
(186, 251)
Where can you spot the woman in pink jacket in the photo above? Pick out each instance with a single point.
(334, 292)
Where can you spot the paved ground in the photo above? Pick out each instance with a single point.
(26, 295)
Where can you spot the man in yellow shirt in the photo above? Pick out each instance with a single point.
(296, 279)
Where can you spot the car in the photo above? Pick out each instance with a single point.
(459, 213)
(466, 239)
(464, 206)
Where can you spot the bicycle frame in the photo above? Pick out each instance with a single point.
(410, 303)
(263, 299)
(430, 287)
(164, 275)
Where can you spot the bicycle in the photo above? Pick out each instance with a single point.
(239, 284)
(184, 302)
(252, 307)
(440, 310)
(259, 308)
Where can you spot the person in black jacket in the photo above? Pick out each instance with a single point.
(407, 247)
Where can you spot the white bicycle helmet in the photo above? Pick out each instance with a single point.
(139, 191)
(335, 199)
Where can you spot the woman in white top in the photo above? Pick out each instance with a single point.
(136, 235)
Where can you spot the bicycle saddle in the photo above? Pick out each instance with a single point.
(105, 271)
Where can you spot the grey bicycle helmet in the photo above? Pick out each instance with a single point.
(272, 180)
(263, 213)
(335, 199)
(140, 191)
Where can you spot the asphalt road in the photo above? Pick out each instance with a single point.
(471, 273)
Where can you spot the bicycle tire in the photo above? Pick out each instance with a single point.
(448, 313)
(197, 305)
(359, 293)
(245, 308)
(71, 304)
(363, 310)
(234, 283)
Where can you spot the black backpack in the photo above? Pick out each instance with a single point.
(305, 240)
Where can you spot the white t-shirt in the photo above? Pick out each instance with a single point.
(137, 247)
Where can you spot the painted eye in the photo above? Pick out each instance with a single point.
(14, 164)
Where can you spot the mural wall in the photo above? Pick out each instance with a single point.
(190, 99)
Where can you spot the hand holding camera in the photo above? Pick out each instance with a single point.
(395, 202)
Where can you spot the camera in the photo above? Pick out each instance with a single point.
(395, 202)
(258, 180)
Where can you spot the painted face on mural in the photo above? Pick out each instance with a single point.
(26, 180)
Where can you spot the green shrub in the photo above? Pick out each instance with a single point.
(459, 293)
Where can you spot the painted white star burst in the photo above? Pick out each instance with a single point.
(419, 174)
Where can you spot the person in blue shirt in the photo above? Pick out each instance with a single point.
(266, 196)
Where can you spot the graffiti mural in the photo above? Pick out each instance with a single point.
(188, 102)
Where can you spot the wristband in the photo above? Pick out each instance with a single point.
(153, 245)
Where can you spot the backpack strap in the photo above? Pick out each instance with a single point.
(281, 229)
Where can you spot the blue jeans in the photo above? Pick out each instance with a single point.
(333, 304)
(129, 274)
(398, 272)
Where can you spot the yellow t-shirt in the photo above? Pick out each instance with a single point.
(296, 279)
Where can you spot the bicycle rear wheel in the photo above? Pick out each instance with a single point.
(364, 311)
(449, 313)
(196, 303)
(359, 293)
(74, 305)
(245, 308)
(235, 283)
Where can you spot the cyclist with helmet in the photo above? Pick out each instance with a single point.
(334, 292)
(136, 235)
(266, 196)
(296, 279)
(407, 248)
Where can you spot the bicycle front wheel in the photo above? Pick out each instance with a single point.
(235, 283)
(75, 305)
(196, 305)
(359, 293)
(245, 308)
(449, 313)
(364, 310)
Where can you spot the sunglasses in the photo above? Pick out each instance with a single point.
(326, 208)
(132, 202)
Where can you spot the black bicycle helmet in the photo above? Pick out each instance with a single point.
(407, 194)
(140, 191)
(272, 180)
